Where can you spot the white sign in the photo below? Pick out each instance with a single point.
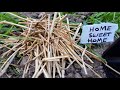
(98, 33)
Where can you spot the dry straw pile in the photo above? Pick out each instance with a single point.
(50, 45)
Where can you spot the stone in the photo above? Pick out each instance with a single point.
(70, 75)
(77, 66)
(100, 67)
(90, 73)
(70, 69)
(82, 16)
(77, 75)
(24, 60)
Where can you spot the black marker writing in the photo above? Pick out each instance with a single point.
(97, 40)
(106, 28)
(99, 34)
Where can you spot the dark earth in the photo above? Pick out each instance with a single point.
(74, 71)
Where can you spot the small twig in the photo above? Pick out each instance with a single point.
(63, 66)
(28, 32)
(63, 18)
(58, 69)
(36, 54)
(112, 69)
(40, 72)
(88, 58)
(83, 60)
(9, 60)
(12, 49)
(51, 29)
(79, 26)
(95, 72)
(18, 16)
(54, 70)
(51, 58)
(11, 23)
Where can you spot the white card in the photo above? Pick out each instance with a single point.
(98, 33)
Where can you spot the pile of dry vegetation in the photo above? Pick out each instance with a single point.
(50, 45)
